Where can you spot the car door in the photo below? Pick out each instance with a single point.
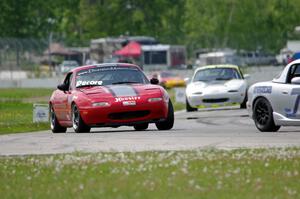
(286, 96)
(62, 100)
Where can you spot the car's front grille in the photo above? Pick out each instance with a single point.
(128, 115)
(218, 100)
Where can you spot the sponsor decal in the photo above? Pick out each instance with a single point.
(88, 83)
(292, 113)
(99, 69)
(110, 68)
(121, 99)
(262, 90)
(129, 103)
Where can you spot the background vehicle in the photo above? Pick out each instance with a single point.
(168, 79)
(257, 58)
(220, 56)
(296, 56)
(68, 65)
(275, 103)
(216, 84)
(109, 95)
(157, 57)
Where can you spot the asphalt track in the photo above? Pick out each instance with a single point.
(225, 128)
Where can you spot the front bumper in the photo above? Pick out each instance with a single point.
(117, 114)
(196, 100)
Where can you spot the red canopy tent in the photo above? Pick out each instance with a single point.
(132, 49)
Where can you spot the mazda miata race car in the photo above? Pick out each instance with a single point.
(168, 79)
(216, 84)
(109, 95)
(275, 103)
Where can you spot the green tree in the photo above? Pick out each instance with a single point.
(159, 18)
(240, 24)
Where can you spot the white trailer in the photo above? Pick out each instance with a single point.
(163, 57)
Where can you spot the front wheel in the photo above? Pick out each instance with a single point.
(169, 122)
(263, 116)
(78, 124)
(188, 107)
(55, 126)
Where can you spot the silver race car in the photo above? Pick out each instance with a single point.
(275, 103)
(216, 84)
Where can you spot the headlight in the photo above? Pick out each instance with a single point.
(155, 99)
(197, 93)
(101, 104)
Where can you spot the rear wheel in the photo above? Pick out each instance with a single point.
(141, 127)
(55, 126)
(263, 116)
(188, 107)
(78, 124)
(169, 122)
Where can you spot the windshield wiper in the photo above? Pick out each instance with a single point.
(220, 78)
(128, 82)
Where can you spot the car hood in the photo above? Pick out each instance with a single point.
(121, 90)
(219, 85)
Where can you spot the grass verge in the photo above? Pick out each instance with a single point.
(246, 173)
(16, 109)
(16, 117)
(21, 94)
(177, 106)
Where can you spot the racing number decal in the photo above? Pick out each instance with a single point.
(289, 112)
(262, 90)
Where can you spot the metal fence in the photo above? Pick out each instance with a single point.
(21, 54)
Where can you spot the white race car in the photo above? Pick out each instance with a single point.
(275, 103)
(216, 84)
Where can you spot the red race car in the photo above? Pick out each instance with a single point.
(109, 95)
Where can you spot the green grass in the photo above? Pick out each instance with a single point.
(177, 106)
(247, 173)
(16, 109)
(20, 94)
(16, 117)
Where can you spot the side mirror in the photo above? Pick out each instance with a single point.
(246, 76)
(296, 80)
(154, 81)
(63, 87)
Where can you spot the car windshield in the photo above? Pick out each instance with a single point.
(101, 76)
(215, 74)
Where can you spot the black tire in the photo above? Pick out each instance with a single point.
(188, 107)
(54, 124)
(169, 122)
(141, 127)
(78, 124)
(243, 105)
(263, 116)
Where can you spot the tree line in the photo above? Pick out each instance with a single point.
(238, 24)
